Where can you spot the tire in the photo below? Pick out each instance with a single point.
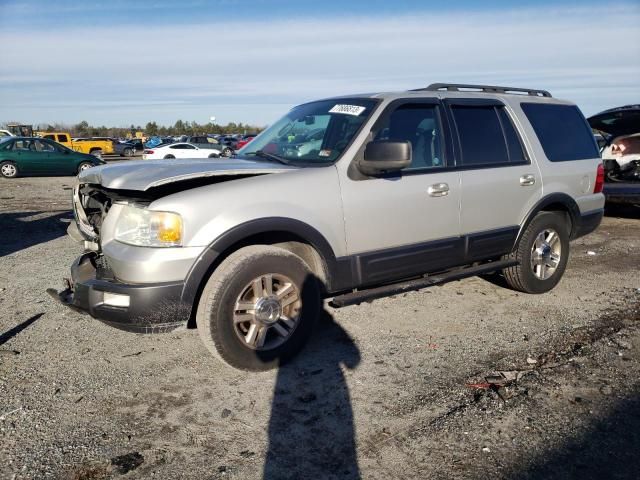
(542, 253)
(83, 166)
(9, 169)
(227, 152)
(128, 152)
(169, 156)
(96, 153)
(214, 155)
(234, 334)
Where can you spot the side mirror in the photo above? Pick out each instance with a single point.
(385, 156)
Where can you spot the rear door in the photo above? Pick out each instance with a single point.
(499, 183)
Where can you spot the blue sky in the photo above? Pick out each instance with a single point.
(123, 62)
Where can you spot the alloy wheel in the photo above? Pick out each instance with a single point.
(545, 254)
(267, 311)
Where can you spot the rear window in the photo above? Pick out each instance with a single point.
(562, 130)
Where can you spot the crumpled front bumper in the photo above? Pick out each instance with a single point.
(141, 308)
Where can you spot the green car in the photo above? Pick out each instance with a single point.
(39, 156)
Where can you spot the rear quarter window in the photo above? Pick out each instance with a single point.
(562, 130)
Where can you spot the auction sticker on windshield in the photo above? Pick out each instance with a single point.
(348, 109)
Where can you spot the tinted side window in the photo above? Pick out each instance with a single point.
(514, 144)
(480, 132)
(50, 137)
(63, 138)
(562, 130)
(418, 124)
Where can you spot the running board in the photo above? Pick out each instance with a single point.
(408, 286)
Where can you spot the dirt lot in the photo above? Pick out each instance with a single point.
(401, 388)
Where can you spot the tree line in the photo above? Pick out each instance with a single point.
(83, 129)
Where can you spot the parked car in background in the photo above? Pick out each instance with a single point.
(124, 149)
(95, 146)
(244, 140)
(620, 150)
(156, 140)
(39, 156)
(229, 141)
(179, 150)
(6, 133)
(204, 141)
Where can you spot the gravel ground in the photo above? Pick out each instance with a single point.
(466, 380)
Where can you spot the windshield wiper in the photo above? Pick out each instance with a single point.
(269, 156)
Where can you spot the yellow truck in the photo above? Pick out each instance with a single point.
(94, 146)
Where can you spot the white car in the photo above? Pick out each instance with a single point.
(178, 150)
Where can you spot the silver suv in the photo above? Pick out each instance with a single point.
(349, 198)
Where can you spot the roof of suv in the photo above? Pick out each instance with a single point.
(465, 90)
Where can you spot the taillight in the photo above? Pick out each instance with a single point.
(597, 188)
(148, 151)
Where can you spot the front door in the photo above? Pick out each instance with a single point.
(405, 224)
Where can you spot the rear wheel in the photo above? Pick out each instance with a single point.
(8, 169)
(96, 152)
(128, 152)
(258, 307)
(169, 156)
(542, 253)
(214, 155)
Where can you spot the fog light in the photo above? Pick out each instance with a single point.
(115, 299)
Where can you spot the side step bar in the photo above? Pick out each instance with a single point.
(408, 286)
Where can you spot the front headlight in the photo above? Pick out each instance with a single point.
(149, 228)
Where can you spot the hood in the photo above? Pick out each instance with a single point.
(141, 175)
(617, 121)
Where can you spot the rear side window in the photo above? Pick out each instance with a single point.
(562, 130)
(50, 137)
(63, 138)
(487, 136)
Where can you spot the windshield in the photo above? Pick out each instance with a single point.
(315, 132)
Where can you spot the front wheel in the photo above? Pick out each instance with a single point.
(8, 169)
(128, 152)
(258, 308)
(542, 253)
(227, 152)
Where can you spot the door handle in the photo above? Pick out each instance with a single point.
(438, 190)
(527, 180)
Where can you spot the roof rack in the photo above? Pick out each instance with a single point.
(456, 87)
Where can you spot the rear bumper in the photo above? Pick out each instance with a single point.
(622, 193)
(589, 221)
(141, 308)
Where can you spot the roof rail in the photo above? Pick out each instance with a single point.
(456, 87)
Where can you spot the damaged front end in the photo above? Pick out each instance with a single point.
(132, 275)
(95, 289)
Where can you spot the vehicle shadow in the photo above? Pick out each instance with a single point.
(311, 429)
(19, 231)
(608, 449)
